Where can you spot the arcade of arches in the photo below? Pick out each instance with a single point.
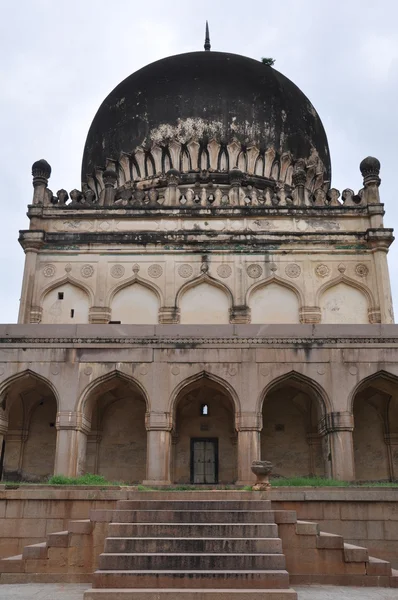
(207, 437)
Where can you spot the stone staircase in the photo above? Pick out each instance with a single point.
(192, 545)
(156, 549)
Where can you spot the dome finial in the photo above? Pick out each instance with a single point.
(207, 38)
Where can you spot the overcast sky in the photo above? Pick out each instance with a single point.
(60, 59)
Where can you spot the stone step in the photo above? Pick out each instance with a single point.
(195, 530)
(191, 562)
(355, 553)
(183, 516)
(12, 564)
(192, 579)
(376, 566)
(35, 551)
(198, 505)
(186, 594)
(191, 544)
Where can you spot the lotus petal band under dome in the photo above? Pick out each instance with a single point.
(207, 111)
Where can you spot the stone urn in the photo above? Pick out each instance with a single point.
(262, 470)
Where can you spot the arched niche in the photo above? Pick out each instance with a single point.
(135, 304)
(292, 413)
(116, 443)
(343, 304)
(66, 303)
(203, 304)
(274, 303)
(375, 435)
(204, 436)
(30, 441)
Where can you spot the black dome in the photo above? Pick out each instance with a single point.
(210, 95)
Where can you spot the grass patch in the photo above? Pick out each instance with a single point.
(307, 481)
(87, 479)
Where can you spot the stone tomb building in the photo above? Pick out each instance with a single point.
(206, 298)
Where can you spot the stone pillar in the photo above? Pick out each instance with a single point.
(31, 242)
(3, 431)
(15, 442)
(340, 426)
(380, 240)
(391, 439)
(70, 452)
(248, 426)
(158, 460)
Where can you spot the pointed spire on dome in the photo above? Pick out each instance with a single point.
(207, 38)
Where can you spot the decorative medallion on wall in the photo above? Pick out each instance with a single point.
(68, 268)
(135, 269)
(144, 370)
(273, 267)
(353, 371)
(342, 268)
(54, 369)
(322, 270)
(175, 370)
(87, 271)
(224, 271)
(117, 271)
(49, 270)
(185, 271)
(254, 271)
(361, 270)
(155, 271)
(88, 370)
(292, 270)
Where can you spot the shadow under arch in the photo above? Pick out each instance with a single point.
(302, 383)
(64, 280)
(278, 280)
(389, 379)
(26, 375)
(191, 382)
(87, 398)
(134, 280)
(204, 432)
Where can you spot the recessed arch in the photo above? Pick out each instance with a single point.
(209, 307)
(81, 404)
(131, 281)
(113, 409)
(274, 300)
(352, 314)
(205, 441)
(197, 377)
(136, 301)
(64, 280)
(292, 437)
(302, 381)
(4, 385)
(374, 405)
(31, 407)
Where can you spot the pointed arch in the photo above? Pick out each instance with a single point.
(82, 402)
(184, 385)
(350, 282)
(34, 375)
(131, 281)
(275, 279)
(203, 278)
(64, 280)
(303, 382)
(389, 378)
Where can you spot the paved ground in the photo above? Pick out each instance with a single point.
(73, 591)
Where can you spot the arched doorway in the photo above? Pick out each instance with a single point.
(204, 435)
(290, 438)
(375, 436)
(116, 445)
(30, 441)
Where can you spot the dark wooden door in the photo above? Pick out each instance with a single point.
(204, 460)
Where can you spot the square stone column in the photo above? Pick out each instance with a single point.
(339, 426)
(248, 426)
(70, 452)
(158, 460)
